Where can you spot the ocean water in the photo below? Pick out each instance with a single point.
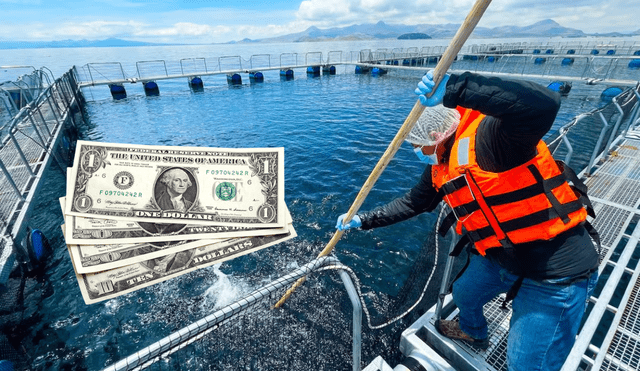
(334, 130)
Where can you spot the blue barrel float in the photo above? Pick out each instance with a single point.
(538, 60)
(151, 89)
(286, 74)
(328, 70)
(569, 61)
(362, 69)
(609, 93)
(635, 63)
(256, 76)
(117, 91)
(196, 84)
(377, 71)
(38, 248)
(595, 52)
(313, 70)
(234, 79)
(562, 87)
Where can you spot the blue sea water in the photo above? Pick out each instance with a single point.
(334, 129)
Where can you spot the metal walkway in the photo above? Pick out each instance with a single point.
(30, 141)
(610, 64)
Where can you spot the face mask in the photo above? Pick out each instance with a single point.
(427, 159)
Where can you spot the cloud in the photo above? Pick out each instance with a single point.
(84, 30)
(184, 29)
(336, 12)
(197, 22)
(587, 15)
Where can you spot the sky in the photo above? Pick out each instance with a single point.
(208, 21)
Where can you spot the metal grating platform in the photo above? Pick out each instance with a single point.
(28, 146)
(498, 322)
(624, 351)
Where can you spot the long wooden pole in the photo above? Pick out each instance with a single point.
(438, 73)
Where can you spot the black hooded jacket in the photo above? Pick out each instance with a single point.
(518, 115)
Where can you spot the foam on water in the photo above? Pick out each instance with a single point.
(224, 291)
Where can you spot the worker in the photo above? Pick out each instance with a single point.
(525, 226)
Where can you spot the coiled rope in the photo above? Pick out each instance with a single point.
(357, 284)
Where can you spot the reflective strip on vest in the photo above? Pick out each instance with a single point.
(463, 151)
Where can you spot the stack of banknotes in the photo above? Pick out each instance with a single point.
(137, 215)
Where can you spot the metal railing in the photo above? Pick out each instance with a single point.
(607, 120)
(27, 87)
(546, 60)
(254, 310)
(29, 134)
(113, 73)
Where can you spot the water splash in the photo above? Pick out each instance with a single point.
(224, 291)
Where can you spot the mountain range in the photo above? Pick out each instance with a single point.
(110, 42)
(382, 30)
(369, 31)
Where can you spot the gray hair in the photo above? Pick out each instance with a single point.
(168, 176)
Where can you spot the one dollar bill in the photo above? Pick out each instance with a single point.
(190, 185)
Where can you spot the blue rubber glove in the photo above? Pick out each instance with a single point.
(426, 86)
(354, 223)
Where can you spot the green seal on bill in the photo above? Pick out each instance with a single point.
(226, 191)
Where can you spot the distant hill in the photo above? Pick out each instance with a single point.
(546, 28)
(413, 36)
(369, 31)
(111, 42)
(381, 30)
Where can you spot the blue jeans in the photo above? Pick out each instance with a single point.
(546, 314)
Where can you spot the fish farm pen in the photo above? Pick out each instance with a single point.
(41, 117)
(593, 64)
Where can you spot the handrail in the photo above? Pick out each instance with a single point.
(29, 121)
(260, 55)
(177, 340)
(636, 113)
(164, 64)
(632, 116)
(204, 61)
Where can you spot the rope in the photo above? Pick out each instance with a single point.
(357, 284)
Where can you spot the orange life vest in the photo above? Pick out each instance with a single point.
(530, 202)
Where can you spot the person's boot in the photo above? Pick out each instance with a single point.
(451, 329)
